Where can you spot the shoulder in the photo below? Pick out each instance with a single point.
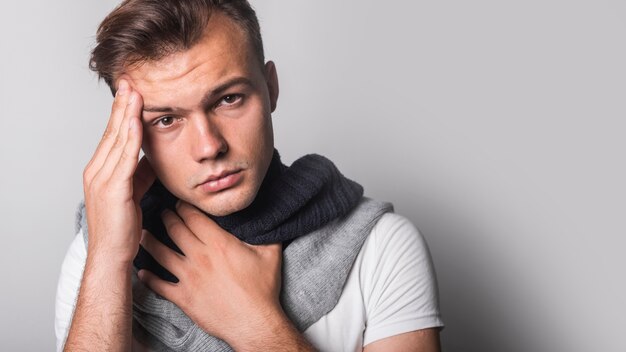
(394, 225)
(397, 280)
(394, 244)
(395, 235)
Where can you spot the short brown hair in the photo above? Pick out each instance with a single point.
(148, 30)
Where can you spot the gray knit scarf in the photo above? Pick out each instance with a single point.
(315, 268)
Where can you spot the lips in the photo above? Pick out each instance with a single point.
(224, 180)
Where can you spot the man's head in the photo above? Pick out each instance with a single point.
(207, 95)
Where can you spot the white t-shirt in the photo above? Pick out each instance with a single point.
(391, 289)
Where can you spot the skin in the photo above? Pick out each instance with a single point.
(197, 114)
(190, 134)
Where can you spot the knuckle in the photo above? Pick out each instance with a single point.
(87, 174)
(195, 217)
(204, 261)
(118, 142)
(109, 132)
(173, 227)
(118, 104)
(221, 246)
(124, 156)
(98, 187)
(90, 178)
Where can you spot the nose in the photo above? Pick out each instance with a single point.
(207, 141)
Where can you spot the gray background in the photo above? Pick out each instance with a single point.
(496, 126)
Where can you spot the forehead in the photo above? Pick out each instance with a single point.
(223, 52)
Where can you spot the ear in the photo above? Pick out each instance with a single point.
(271, 79)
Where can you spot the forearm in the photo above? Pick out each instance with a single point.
(286, 337)
(276, 334)
(102, 319)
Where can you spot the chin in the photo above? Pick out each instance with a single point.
(227, 202)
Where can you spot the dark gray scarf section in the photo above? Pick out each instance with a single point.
(292, 201)
(316, 263)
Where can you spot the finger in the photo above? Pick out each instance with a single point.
(161, 287)
(167, 257)
(144, 178)
(184, 238)
(127, 163)
(201, 225)
(112, 160)
(110, 133)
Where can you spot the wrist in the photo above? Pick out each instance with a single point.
(274, 332)
(109, 255)
(104, 261)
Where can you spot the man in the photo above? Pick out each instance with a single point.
(209, 242)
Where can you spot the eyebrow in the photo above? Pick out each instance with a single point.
(207, 97)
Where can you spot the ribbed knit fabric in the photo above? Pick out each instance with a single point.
(315, 269)
(292, 201)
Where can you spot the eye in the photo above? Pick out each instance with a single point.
(165, 121)
(229, 100)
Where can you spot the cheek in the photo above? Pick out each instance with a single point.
(161, 156)
(257, 141)
(264, 146)
(267, 132)
(250, 131)
(262, 130)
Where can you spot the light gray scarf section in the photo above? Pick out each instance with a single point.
(315, 269)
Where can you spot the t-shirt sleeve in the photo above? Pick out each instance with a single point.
(398, 283)
(67, 288)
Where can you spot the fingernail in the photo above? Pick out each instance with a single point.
(140, 274)
(178, 203)
(132, 99)
(122, 87)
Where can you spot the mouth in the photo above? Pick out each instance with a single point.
(219, 182)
